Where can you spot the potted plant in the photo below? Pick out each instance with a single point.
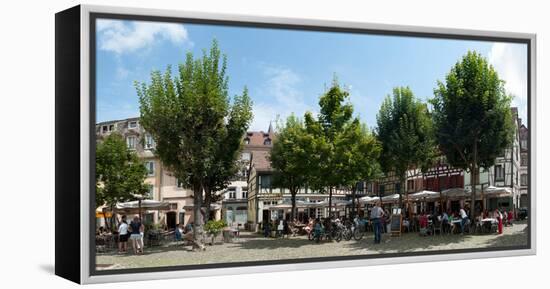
(214, 228)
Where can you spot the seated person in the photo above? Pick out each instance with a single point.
(423, 223)
(406, 224)
(179, 232)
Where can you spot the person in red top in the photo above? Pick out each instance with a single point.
(510, 217)
(498, 216)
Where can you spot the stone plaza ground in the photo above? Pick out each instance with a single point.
(253, 247)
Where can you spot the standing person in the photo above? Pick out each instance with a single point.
(463, 219)
(510, 217)
(445, 221)
(136, 227)
(376, 214)
(505, 217)
(123, 235)
(267, 228)
(280, 228)
(498, 216)
(286, 228)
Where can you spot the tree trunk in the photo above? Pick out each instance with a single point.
(293, 201)
(353, 194)
(107, 225)
(197, 216)
(402, 181)
(473, 180)
(330, 202)
(207, 202)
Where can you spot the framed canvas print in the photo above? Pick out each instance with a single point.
(195, 144)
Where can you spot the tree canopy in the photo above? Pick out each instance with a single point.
(472, 115)
(197, 127)
(344, 152)
(405, 130)
(120, 174)
(290, 157)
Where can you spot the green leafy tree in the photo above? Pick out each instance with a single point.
(405, 130)
(472, 116)
(333, 138)
(358, 150)
(120, 174)
(195, 124)
(290, 157)
(225, 162)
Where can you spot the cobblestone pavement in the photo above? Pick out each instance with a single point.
(253, 247)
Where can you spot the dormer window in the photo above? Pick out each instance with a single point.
(267, 141)
(246, 141)
(132, 124)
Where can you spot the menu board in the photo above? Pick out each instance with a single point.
(395, 224)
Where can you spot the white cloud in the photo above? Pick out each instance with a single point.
(281, 87)
(123, 37)
(510, 62)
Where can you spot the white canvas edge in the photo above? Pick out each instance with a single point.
(86, 278)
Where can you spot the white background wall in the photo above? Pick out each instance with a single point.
(27, 140)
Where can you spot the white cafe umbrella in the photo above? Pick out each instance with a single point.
(498, 191)
(390, 198)
(339, 203)
(213, 206)
(280, 206)
(143, 204)
(368, 199)
(306, 204)
(456, 192)
(424, 195)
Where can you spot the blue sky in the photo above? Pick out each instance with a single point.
(287, 70)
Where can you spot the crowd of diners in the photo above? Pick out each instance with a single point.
(377, 219)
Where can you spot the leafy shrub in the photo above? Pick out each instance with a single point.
(214, 227)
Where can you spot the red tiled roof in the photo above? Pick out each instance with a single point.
(258, 138)
(260, 160)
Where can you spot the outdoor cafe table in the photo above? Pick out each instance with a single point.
(492, 220)
(455, 224)
(300, 228)
(487, 224)
(229, 234)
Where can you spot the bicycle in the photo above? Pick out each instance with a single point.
(359, 230)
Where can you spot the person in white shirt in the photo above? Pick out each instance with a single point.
(375, 215)
(123, 235)
(464, 219)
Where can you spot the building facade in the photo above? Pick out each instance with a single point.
(524, 165)
(164, 186)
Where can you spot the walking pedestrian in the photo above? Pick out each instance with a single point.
(376, 214)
